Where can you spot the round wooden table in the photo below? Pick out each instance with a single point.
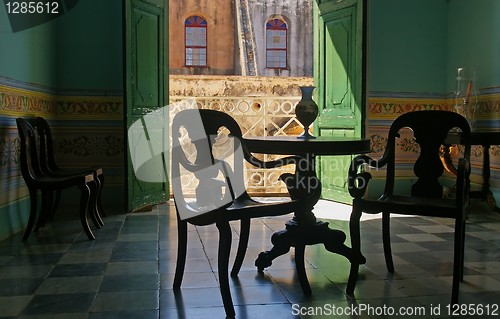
(304, 229)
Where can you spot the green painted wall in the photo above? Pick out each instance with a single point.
(417, 45)
(76, 54)
(30, 55)
(407, 45)
(89, 46)
(81, 49)
(475, 40)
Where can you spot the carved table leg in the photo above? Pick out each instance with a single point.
(304, 229)
(282, 242)
(300, 235)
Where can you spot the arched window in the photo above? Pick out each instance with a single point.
(195, 29)
(276, 44)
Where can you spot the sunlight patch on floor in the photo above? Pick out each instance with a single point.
(338, 211)
(328, 209)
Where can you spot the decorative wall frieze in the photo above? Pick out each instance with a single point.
(9, 151)
(382, 111)
(20, 101)
(87, 129)
(14, 101)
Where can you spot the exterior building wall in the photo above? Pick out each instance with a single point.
(298, 16)
(220, 35)
(235, 86)
(225, 35)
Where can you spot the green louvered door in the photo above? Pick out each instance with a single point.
(146, 78)
(339, 76)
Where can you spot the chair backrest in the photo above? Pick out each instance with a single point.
(430, 129)
(28, 159)
(46, 145)
(206, 146)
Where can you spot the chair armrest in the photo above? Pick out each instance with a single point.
(250, 158)
(289, 160)
(358, 179)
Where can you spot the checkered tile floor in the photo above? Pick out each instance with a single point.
(127, 272)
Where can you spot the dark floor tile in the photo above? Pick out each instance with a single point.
(151, 245)
(57, 304)
(126, 301)
(38, 271)
(130, 283)
(78, 270)
(131, 265)
(134, 255)
(11, 250)
(19, 287)
(135, 314)
(35, 259)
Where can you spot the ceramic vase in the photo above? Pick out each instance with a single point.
(306, 110)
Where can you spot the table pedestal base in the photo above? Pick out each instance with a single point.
(299, 235)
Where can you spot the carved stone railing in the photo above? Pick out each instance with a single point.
(257, 116)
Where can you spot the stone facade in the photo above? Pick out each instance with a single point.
(220, 35)
(235, 86)
(298, 16)
(236, 34)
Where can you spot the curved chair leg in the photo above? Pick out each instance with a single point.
(33, 214)
(100, 180)
(356, 248)
(52, 202)
(93, 210)
(55, 198)
(84, 203)
(242, 246)
(462, 251)
(225, 238)
(386, 238)
(301, 270)
(181, 252)
(45, 212)
(458, 259)
(463, 222)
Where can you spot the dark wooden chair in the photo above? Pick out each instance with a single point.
(430, 129)
(50, 167)
(36, 180)
(220, 195)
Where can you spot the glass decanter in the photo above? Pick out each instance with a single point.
(465, 97)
